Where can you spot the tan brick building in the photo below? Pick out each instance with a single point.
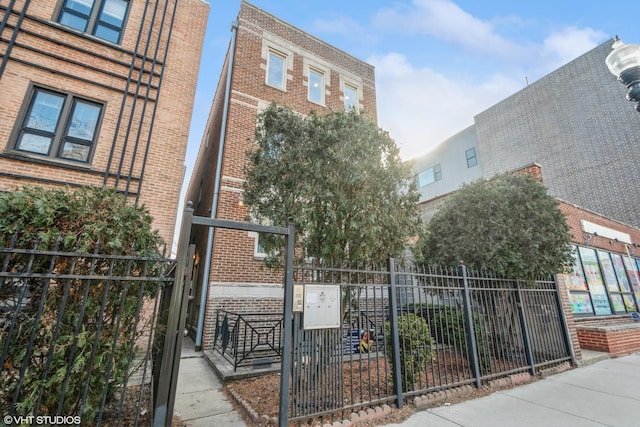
(268, 60)
(100, 93)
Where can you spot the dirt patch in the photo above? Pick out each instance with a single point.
(366, 379)
(258, 398)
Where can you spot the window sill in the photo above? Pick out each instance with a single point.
(32, 158)
(276, 87)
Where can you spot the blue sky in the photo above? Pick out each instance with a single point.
(438, 62)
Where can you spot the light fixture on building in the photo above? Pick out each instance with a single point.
(624, 63)
(240, 200)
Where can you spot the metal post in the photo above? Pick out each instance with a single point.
(182, 318)
(525, 329)
(471, 332)
(565, 324)
(395, 337)
(166, 386)
(288, 329)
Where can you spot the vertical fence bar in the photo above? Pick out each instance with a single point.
(471, 335)
(395, 338)
(564, 323)
(525, 329)
(288, 330)
(173, 336)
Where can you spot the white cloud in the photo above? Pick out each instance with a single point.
(445, 20)
(567, 44)
(421, 108)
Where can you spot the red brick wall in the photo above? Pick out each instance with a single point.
(97, 70)
(233, 254)
(571, 323)
(233, 261)
(617, 341)
(236, 305)
(574, 214)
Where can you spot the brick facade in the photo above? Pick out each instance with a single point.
(237, 278)
(576, 123)
(614, 334)
(146, 85)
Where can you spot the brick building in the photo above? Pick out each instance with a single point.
(100, 93)
(577, 127)
(575, 122)
(268, 60)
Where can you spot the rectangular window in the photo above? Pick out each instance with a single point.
(258, 245)
(350, 97)
(102, 18)
(276, 69)
(472, 159)
(316, 86)
(598, 283)
(59, 125)
(437, 172)
(429, 176)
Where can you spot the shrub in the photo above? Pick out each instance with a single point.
(81, 332)
(416, 347)
(448, 327)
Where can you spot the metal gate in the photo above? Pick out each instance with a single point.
(168, 373)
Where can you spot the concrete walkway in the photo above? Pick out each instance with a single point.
(606, 393)
(199, 397)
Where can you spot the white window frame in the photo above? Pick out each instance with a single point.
(256, 245)
(317, 67)
(321, 89)
(356, 102)
(276, 53)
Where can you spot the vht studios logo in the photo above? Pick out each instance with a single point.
(41, 419)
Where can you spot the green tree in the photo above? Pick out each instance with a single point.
(508, 225)
(339, 177)
(81, 333)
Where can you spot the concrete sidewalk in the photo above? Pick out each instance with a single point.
(199, 397)
(606, 393)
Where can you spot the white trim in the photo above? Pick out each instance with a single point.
(355, 83)
(256, 236)
(599, 230)
(321, 69)
(272, 53)
(245, 290)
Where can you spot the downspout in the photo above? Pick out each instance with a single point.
(216, 188)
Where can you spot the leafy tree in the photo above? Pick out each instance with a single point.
(508, 225)
(71, 335)
(339, 177)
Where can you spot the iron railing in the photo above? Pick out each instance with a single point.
(77, 333)
(406, 331)
(248, 339)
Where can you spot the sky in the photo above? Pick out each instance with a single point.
(437, 62)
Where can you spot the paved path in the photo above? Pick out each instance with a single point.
(199, 397)
(606, 393)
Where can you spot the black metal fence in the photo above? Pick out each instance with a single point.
(248, 339)
(404, 331)
(78, 334)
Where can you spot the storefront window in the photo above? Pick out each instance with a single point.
(603, 283)
(594, 281)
